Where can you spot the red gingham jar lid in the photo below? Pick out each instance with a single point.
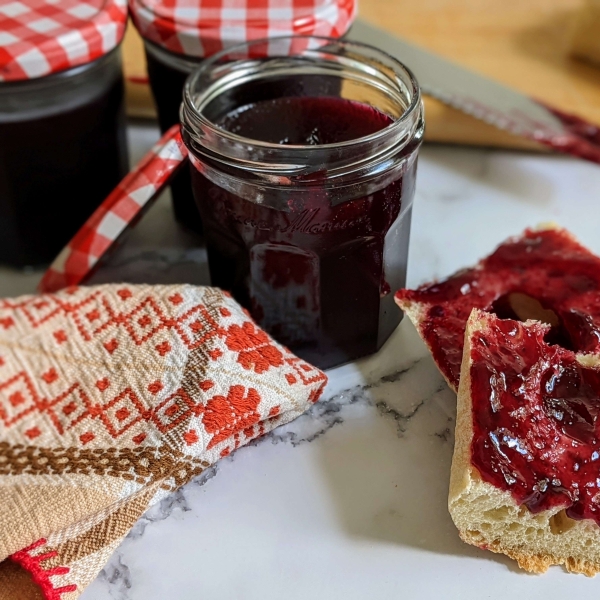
(203, 27)
(40, 37)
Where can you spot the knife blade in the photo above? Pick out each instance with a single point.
(486, 99)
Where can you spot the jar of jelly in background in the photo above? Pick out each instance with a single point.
(62, 121)
(179, 34)
(306, 194)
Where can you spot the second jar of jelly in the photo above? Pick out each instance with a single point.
(178, 35)
(304, 154)
(62, 121)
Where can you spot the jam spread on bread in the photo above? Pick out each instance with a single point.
(548, 267)
(535, 408)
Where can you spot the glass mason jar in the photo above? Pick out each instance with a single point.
(63, 150)
(178, 37)
(303, 168)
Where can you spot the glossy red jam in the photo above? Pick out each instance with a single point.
(580, 138)
(305, 121)
(536, 431)
(549, 266)
(313, 275)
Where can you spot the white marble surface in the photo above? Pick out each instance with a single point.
(349, 501)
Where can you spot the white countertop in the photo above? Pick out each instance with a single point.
(349, 501)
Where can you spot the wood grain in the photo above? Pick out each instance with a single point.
(138, 97)
(522, 43)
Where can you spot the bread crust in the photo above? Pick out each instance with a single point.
(490, 518)
(417, 313)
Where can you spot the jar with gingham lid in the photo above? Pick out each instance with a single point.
(179, 34)
(304, 159)
(62, 120)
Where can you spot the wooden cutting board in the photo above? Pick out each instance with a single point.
(522, 43)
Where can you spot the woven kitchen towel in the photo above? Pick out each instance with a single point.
(110, 398)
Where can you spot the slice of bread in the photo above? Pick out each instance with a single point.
(544, 274)
(489, 517)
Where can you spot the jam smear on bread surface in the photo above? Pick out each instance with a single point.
(535, 410)
(548, 266)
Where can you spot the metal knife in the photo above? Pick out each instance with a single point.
(486, 99)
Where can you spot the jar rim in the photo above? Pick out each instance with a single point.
(191, 115)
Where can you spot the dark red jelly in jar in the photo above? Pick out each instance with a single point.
(313, 276)
(62, 151)
(316, 263)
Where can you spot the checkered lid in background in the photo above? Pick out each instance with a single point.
(203, 27)
(40, 37)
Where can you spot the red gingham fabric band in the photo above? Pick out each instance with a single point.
(203, 27)
(40, 37)
(137, 191)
